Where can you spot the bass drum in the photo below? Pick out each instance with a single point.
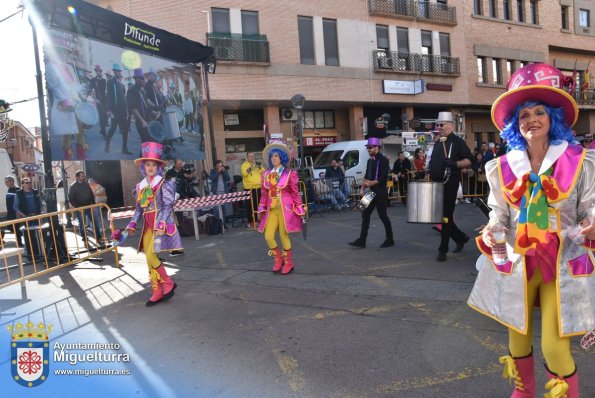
(177, 110)
(426, 201)
(87, 114)
(170, 126)
(156, 130)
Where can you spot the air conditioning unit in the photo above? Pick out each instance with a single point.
(288, 114)
(585, 30)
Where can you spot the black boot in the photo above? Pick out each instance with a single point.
(359, 242)
(387, 243)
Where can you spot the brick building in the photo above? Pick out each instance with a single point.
(21, 144)
(354, 60)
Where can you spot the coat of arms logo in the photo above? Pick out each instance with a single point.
(30, 353)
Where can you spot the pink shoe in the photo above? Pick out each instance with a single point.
(561, 387)
(167, 283)
(521, 371)
(278, 259)
(157, 295)
(288, 264)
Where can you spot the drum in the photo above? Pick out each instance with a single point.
(365, 200)
(177, 110)
(86, 113)
(156, 130)
(425, 202)
(170, 126)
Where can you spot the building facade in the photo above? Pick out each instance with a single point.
(356, 60)
(21, 144)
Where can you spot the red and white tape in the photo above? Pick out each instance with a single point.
(195, 203)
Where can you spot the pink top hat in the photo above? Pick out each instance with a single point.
(150, 151)
(373, 141)
(536, 82)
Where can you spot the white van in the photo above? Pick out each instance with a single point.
(355, 156)
(6, 169)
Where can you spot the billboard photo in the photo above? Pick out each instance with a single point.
(105, 100)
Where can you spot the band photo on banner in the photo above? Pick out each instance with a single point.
(104, 101)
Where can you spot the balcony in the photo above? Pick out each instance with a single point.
(393, 61)
(415, 10)
(585, 97)
(241, 48)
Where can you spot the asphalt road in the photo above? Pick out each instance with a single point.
(347, 323)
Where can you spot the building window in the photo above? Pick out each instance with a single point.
(523, 63)
(426, 50)
(478, 139)
(491, 137)
(478, 7)
(403, 41)
(520, 10)
(444, 44)
(442, 4)
(331, 48)
(382, 37)
(506, 9)
(493, 8)
(306, 37)
(319, 119)
(220, 18)
(250, 23)
(584, 19)
(509, 68)
(564, 14)
(497, 70)
(482, 76)
(533, 11)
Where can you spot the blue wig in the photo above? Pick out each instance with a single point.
(559, 131)
(282, 155)
(159, 168)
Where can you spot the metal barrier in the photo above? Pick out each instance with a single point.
(328, 193)
(50, 245)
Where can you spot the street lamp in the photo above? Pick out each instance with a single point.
(386, 118)
(298, 101)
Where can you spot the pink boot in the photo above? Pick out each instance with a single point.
(521, 371)
(156, 288)
(278, 259)
(561, 387)
(81, 151)
(288, 264)
(167, 284)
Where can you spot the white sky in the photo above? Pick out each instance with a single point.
(17, 65)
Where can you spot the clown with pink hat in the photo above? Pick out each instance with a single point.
(375, 181)
(542, 198)
(155, 198)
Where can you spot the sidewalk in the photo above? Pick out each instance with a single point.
(346, 323)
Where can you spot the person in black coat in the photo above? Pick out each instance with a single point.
(401, 169)
(376, 177)
(449, 156)
(10, 212)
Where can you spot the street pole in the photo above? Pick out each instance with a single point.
(66, 203)
(205, 67)
(301, 141)
(49, 190)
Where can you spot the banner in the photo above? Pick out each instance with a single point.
(104, 100)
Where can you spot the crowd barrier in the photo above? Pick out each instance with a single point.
(329, 193)
(50, 245)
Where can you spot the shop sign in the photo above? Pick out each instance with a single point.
(319, 141)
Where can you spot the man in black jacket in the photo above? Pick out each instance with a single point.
(449, 156)
(80, 194)
(10, 212)
(376, 176)
(401, 170)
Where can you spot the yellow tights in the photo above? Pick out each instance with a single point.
(276, 222)
(556, 349)
(148, 242)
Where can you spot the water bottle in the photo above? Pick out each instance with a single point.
(157, 244)
(499, 254)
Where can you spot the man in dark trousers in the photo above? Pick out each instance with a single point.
(80, 194)
(10, 212)
(139, 107)
(117, 108)
(377, 170)
(98, 87)
(28, 203)
(450, 155)
(401, 170)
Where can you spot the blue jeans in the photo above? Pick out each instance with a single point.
(96, 217)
